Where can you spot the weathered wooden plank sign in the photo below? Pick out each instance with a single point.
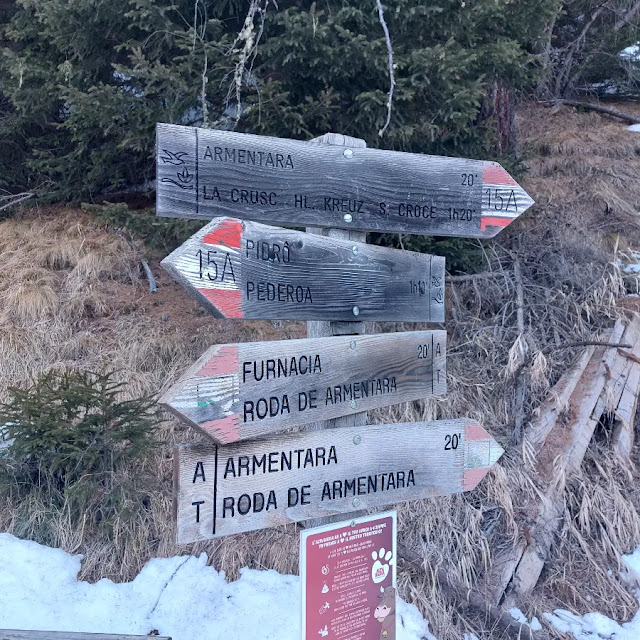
(241, 391)
(250, 270)
(207, 173)
(223, 490)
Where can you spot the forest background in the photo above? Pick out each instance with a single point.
(83, 83)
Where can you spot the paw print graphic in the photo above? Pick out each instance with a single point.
(381, 562)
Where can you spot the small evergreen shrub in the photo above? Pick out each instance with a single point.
(71, 428)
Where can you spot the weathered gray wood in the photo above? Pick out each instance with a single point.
(559, 453)
(19, 634)
(239, 391)
(207, 173)
(626, 399)
(224, 490)
(249, 270)
(322, 329)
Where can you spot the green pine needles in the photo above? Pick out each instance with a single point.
(71, 429)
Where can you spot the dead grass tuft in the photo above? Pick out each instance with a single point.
(32, 296)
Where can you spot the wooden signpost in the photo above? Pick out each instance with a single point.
(238, 395)
(250, 270)
(207, 173)
(241, 391)
(223, 490)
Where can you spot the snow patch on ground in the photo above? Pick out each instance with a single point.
(181, 597)
(634, 127)
(596, 626)
(518, 616)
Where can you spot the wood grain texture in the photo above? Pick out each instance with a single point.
(241, 391)
(253, 271)
(322, 329)
(19, 634)
(224, 490)
(207, 173)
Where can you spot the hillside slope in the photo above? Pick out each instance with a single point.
(74, 295)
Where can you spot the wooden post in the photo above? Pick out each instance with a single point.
(324, 329)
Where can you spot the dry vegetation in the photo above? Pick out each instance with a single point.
(73, 295)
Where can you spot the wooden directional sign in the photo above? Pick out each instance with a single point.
(206, 173)
(241, 391)
(222, 490)
(250, 270)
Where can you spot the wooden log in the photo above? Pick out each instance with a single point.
(618, 369)
(253, 271)
(225, 490)
(557, 401)
(626, 406)
(559, 438)
(469, 599)
(207, 173)
(19, 634)
(625, 414)
(241, 391)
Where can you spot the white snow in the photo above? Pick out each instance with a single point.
(518, 616)
(596, 626)
(632, 565)
(634, 127)
(632, 52)
(181, 597)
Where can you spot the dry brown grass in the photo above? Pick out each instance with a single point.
(88, 307)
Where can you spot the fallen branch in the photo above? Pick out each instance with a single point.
(626, 354)
(627, 117)
(470, 599)
(588, 343)
(519, 382)
(473, 276)
(18, 197)
(573, 345)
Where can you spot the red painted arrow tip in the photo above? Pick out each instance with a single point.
(227, 301)
(495, 174)
(228, 232)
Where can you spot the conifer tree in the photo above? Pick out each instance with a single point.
(88, 80)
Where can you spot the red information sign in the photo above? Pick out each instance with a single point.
(348, 577)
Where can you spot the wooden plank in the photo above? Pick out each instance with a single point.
(207, 173)
(324, 329)
(560, 436)
(19, 634)
(224, 490)
(619, 368)
(626, 407)
(625, 414)
(557, 401)
(560, 456)
(240, 391)
(250, 270)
